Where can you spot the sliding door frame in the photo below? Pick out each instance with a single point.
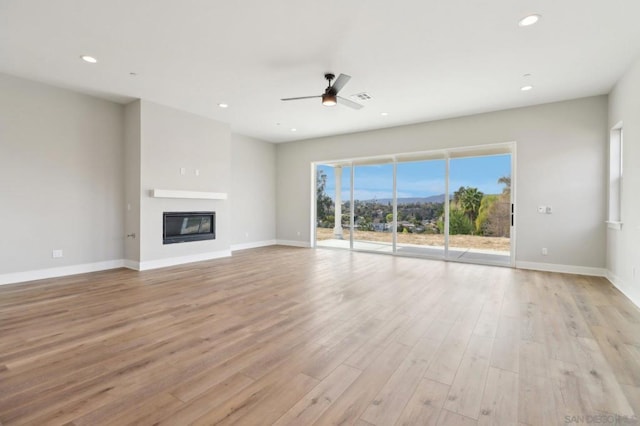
(395, 159)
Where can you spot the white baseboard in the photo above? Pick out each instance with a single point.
(293, 243)
(172, 261)
(566, 269)
(615, 280)
(256, 244)
(132, 264)
(40, 274)
(622, 287)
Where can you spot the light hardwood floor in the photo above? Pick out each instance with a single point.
(293, 336)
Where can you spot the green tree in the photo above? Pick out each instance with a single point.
(458, 194)
(483, 213)
(364, 224)
(330, 221)
(324, 203)
(459, 222)
(494, 216)
(470, 200)
(498, 214)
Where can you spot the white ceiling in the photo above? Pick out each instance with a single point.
(420, 60)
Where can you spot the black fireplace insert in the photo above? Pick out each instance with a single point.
(182, 227)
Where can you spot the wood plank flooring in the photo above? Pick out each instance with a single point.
(292, 336)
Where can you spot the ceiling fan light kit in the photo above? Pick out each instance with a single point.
(330, 96)
(329, 99)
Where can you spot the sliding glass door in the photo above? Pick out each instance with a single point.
(480, 209)
(333, 205)
(373, 207)
(420, 189)
(452, 204)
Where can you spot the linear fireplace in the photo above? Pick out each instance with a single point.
(181, 227)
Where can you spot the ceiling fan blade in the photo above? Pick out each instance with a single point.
(348, 103)
(340, 82)
(302, 97)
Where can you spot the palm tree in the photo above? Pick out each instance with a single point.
(470, 201)
(457, 194)
(506, 180)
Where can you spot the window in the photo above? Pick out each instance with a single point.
(615, 177)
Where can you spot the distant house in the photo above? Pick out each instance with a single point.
(382, 227)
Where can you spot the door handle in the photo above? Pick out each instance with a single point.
(512, 213)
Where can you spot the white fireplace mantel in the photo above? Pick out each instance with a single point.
(194, 195)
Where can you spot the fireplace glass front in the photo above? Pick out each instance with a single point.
(181, 227)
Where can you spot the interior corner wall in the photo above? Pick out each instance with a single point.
(172, 140)
(132, 183)
(623, 246)
(253, 192)
(560, 162)
(61, 179)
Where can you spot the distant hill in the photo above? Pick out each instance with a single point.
(410, 200)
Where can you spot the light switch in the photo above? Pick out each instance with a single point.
(542, 209)
(183, 171)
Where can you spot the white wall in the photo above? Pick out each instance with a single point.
(170, 140)
(132, 182)
(253, 192)
(70, 156)
(61, 178)
(623, 246)
(76, 174)
(561, 154)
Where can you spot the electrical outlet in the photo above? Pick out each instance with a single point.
(544, 251)
(246, 235)
(549, 210)
(298, 233)
(56, 254)
(542, 209)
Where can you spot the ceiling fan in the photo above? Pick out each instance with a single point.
(330, 96)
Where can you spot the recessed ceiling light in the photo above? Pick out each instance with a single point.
(294, 129)
(526, 88)
(89, 59)
(384, 114)
(529, 20)
(223, 105)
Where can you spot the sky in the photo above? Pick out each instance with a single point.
(422, 179)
